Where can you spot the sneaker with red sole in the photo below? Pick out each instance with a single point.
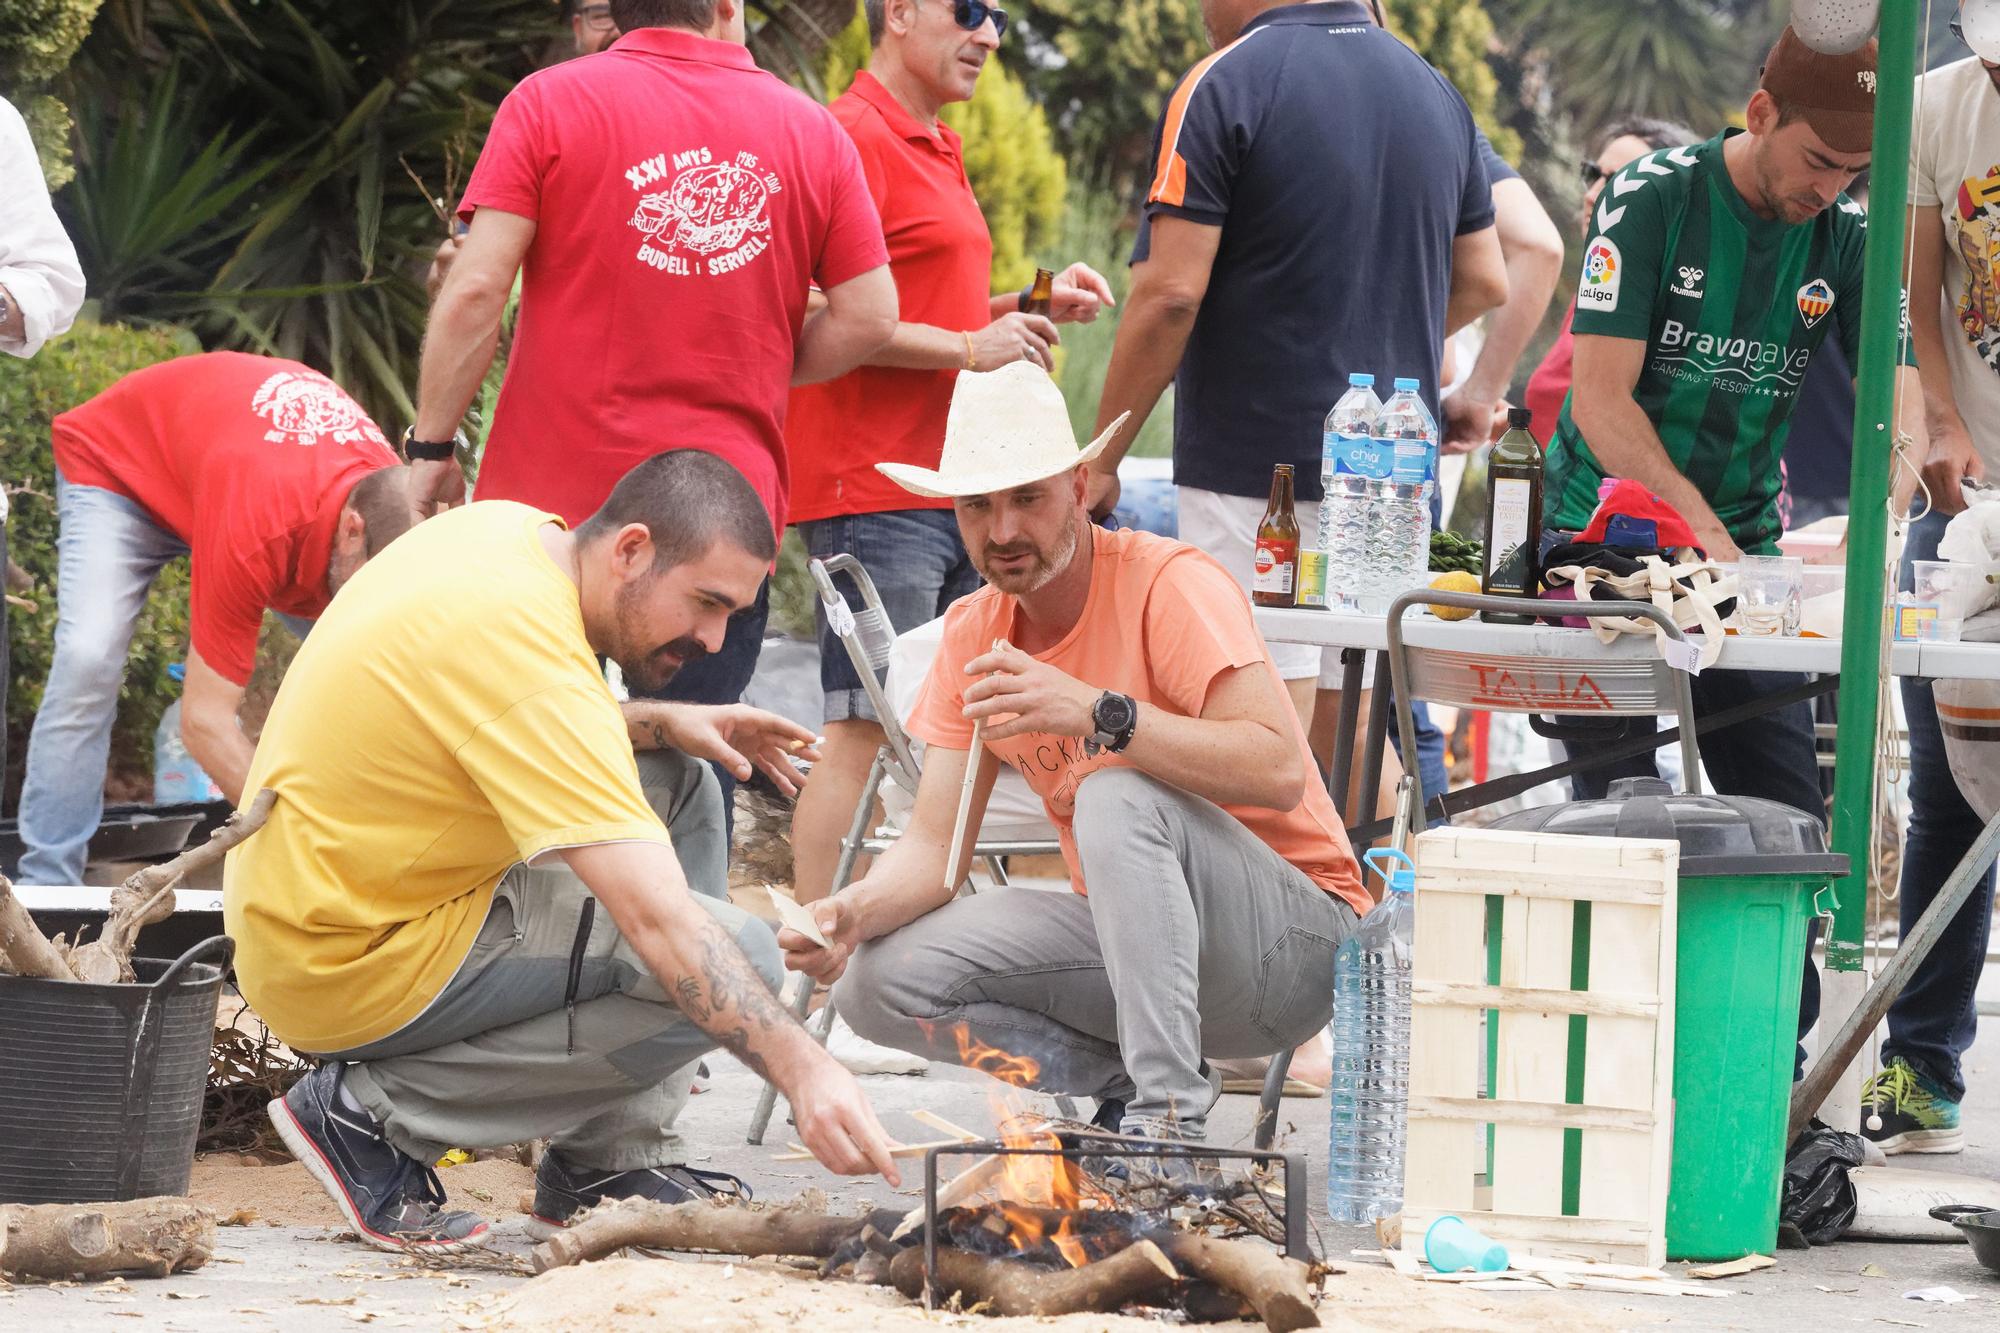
(392, 1200)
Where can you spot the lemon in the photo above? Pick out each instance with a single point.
(1456, 580)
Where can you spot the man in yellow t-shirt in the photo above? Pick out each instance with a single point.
(458, 793)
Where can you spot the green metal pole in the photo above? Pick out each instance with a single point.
(1868, 492)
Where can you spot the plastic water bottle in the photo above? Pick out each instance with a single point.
(1396, 554)
(1371, 1053)
(177, 778)
(1349, 460)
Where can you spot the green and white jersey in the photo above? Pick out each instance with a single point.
(1731, 308)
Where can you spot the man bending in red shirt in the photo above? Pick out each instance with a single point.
(279, 487)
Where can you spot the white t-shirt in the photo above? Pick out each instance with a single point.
(1958, 173)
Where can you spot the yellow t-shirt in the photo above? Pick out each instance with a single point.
(445, 720)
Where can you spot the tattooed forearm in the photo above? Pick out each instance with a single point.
(727, 999)
(643, 725)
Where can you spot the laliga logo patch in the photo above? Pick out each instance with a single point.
(1815, 299)
(1603, 272)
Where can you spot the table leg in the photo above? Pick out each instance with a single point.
(1378, 735)
(1352, 660)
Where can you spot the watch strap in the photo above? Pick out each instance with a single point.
(427, 451)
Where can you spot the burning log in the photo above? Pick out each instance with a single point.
(1137, 1274)
(710, 1225)
(1276, 1287)
(145, 897)
(155, 1237)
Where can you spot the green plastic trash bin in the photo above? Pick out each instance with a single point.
(1750, 871)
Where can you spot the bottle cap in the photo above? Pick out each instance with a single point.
(1405, 383)
(1401, 880)
(1520, 418)
(177, 672)
(1361, 380)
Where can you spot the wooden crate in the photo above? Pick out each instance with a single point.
(1626, 1117)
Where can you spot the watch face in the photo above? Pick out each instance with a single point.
(1114, 712)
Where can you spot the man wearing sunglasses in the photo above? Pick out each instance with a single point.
(927, 54)
(1912, 1105)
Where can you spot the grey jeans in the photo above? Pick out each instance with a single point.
(499, 1058)
(1196, 940)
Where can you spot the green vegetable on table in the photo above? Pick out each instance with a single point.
(1450, 551)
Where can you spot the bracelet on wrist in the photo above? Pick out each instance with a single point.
(971, 359)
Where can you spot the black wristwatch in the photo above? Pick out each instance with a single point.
(426, 451)
(1115, 717)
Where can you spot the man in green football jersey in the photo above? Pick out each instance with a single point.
(1707, 280)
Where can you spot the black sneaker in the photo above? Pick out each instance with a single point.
(392, 1200)
(1110, 1115)
(564, 1189)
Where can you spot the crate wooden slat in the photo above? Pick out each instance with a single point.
(1627, 1005)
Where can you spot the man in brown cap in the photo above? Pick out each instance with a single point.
(1707, 280)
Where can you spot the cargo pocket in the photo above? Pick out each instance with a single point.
(1295, 992)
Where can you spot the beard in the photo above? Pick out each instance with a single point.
(648, 668)
(1040, 569)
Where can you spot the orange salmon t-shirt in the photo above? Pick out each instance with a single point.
(1162, 621)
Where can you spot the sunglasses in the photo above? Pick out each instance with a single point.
(596, 17)
(1591, 173)
(971, 15)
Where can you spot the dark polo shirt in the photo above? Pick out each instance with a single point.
(1340, 168)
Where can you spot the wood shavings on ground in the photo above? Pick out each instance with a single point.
(1529, 1272)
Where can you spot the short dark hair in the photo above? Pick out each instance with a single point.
(631, 15)
(1656, 132)
(382, 498)
(877, 12)
(688, 499)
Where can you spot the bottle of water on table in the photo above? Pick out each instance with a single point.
(1396, 554)
(1349, 461)
(1371, 1053)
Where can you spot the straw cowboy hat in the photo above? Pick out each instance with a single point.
(1006, 428)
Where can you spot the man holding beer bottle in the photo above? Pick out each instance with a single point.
(892, 409)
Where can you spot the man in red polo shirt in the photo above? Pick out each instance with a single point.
(278, 485)
(926, 55)
(668, 206)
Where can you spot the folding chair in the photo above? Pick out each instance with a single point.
(1544, 686)
(869, 639)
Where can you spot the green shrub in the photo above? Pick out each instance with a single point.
(69, 370)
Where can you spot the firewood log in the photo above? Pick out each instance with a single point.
(1137, 1274)
(153, 1237)
(723, 1228)
(1274, 1285)
(24, 950)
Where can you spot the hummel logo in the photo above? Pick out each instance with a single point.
(1690, 283)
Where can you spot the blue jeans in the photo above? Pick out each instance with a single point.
(108, 551)
(918, 566)
(1934, 1019)
(720, 678)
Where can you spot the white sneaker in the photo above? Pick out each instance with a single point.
(861, 1056)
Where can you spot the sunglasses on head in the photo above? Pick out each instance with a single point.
(971, 15)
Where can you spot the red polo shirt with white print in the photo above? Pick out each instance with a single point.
(684, 201)
(248, 460)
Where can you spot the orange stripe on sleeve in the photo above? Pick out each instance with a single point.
(1170, 173)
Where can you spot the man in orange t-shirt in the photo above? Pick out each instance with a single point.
(1123, 676)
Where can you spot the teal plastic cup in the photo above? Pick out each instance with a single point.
(1450, 1246)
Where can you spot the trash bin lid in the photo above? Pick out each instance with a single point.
(1719, 835)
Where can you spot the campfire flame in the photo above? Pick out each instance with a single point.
(1031, 1187)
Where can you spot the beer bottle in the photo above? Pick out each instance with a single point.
(1042, 296)
(1513, 518)
(1275, 576)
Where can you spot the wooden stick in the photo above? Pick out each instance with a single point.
(724, 1228)
(800, 1153)
(972, 762)
(932, 1120)
(1275, 1286)
(953, 1193)
(148, 895)
(150, 1236)
(1138, 1273)
(24, 950)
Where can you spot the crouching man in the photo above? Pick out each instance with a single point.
(1212, 880)
(457, 796)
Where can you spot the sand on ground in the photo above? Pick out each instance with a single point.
(286, 1195)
